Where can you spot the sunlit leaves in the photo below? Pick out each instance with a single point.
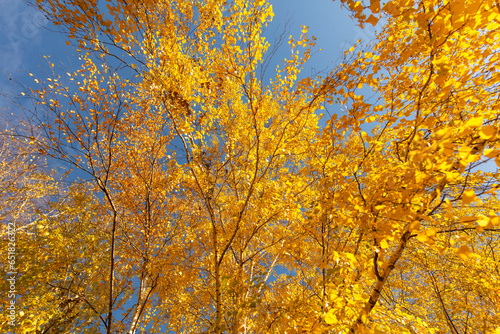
(437, 117)
(234, 207)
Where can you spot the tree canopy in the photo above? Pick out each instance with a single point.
(202, 197)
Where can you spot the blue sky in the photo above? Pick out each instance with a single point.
(26, 36)
(23, 36)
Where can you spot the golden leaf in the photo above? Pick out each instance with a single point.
(475, 122)
(464, 252)
(468, 196)
(330, 317)
(487, 131)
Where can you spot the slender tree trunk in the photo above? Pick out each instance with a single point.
(141, 300)
(381, 280)
(111, 275)
(218, 306)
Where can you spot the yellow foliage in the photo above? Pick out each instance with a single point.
(216, 202)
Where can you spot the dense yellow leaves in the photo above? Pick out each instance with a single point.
(438, 118)
(215, 202)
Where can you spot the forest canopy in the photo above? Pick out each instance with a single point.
(198, 196)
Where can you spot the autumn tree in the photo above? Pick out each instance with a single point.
(44, 231)
(24, 178)
(184, 181)
(215, 202)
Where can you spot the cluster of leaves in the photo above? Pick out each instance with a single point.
(46, 232)
(218, 203)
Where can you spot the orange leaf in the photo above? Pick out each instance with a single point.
(372, 20)
(487, 131)
(464, 252)
(468, 196)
